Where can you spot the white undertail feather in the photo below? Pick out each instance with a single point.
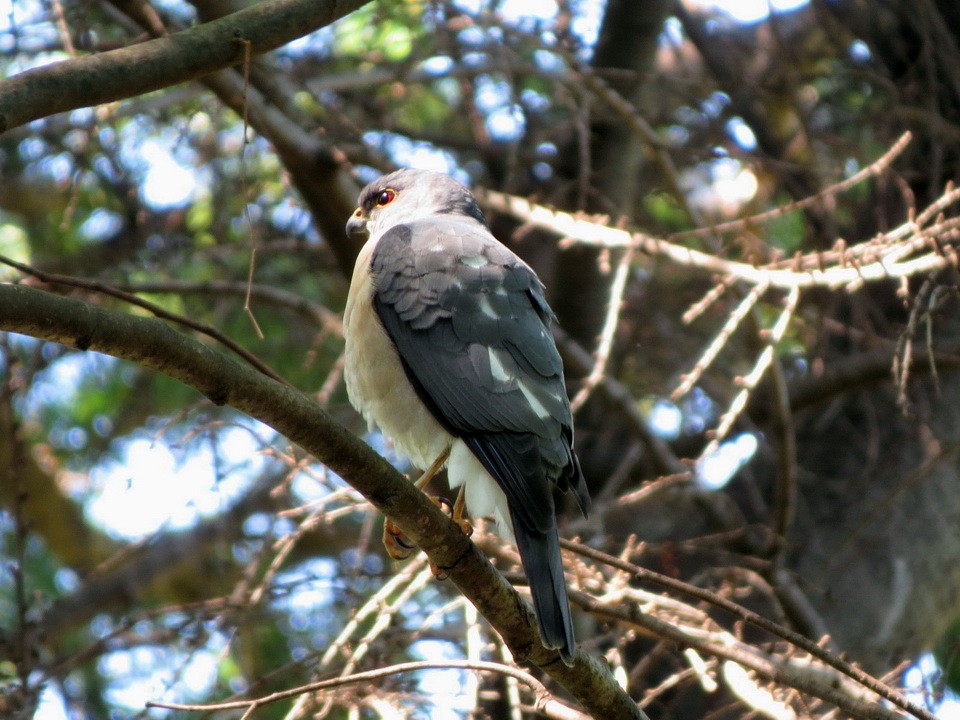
(483, 495)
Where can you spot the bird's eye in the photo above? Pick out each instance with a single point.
(386, 197)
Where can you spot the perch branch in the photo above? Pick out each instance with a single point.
(153, 344)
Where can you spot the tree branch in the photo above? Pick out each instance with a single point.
(271, 110)
(137, 69)
(155, 345)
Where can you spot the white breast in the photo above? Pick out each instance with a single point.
(376, 383)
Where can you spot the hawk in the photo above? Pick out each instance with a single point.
(449, 352)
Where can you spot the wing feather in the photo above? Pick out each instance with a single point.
(471, 326)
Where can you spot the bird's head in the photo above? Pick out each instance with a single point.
(407, 195)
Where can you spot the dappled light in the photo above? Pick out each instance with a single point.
(745, 219)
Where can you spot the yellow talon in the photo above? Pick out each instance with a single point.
(395, 542)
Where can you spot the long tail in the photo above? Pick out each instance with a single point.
(540, 555)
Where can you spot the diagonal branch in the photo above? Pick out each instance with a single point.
(155, 345)
(599, 369)
(920, 245)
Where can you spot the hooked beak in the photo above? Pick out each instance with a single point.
(357, 225)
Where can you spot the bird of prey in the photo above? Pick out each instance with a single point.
(449, 352)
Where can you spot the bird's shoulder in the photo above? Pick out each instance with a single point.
(454, 265)
(438, 244)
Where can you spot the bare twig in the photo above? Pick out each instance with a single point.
(786, 482)
(324, 318)
(617, 288)
(877, 167)
(104, 288)
(701, 306)
(913, 248)
(713, 349)
(749, 382)
(372, 606)
(63, 29)
(544, 700)
(805, 644)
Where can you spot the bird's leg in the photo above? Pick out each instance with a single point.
(425, 479)
(458, 507)
(398, 547)
(465, 527)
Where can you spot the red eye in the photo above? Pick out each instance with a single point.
(386, 197)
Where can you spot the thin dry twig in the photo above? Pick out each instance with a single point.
(63, 29)
(105, 289)
(247, 308)
(784, 505)
(340, 645)
(704, 304)
(750, 381)
(325, 318)
(877, 167)
(654, 486)
(891, 255)
(868, 681)
(734, 319)
(387, 612)
(922, 309)
(920, 245)
(374, 605)
(545, 700)
(607, 335)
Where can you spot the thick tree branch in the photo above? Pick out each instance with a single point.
(166, 61)
(155, 345)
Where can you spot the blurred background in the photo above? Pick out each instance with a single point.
(789, 442)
